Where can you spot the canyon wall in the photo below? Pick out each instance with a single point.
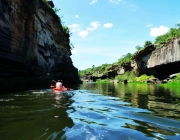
(159, 62)
(33, 43)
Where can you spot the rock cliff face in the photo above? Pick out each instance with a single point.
(159, 62)
(33, 42)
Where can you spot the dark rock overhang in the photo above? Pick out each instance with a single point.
(144, 52)
(50, 2)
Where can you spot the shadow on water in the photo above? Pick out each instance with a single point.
(35, 115)
(93, 112)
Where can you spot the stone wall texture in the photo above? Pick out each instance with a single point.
(161, 61)
(33, 42)
(165, 55)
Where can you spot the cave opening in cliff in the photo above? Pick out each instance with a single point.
(167, 69)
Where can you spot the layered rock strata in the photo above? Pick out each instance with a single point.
(33, 42)
(159, 62)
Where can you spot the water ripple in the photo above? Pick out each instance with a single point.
(103, 117)
(85, 114)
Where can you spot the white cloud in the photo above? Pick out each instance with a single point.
(115, 1)
(93, 1)
(75, 27)
(83, 33)
(94, 25)
(159, 31)
(75, 52)
(90, 29)
(148, 25)
(76, 16)
(108, 25)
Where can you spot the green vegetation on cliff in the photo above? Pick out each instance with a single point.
(129, 75)
(125, 60)
(166, 38)
(177, 78)
(144, 78)
(103, 81)
(173, 86)
(147, 43)
(94, 70)
(104, 68)
(65, 28)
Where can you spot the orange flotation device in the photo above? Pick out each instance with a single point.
(60, 89)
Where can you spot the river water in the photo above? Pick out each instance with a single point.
(93, 112)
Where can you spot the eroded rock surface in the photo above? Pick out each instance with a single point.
(159, 62)
(33, 42)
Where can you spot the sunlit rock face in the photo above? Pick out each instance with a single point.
(124, 67)
(161, 61)
(121, 70)
(165, 55)
(31, 37)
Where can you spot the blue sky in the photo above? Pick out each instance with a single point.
(104, 30)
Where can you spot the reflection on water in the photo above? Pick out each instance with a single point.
(162, 101)
(94, 112)
(34, 115)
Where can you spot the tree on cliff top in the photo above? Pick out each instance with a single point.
(138, 48)
(147, 43)
(172, 34)
(125, 59)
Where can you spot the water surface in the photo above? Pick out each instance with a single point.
(93, 112)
